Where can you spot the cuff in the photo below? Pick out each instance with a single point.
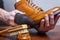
(23, 19)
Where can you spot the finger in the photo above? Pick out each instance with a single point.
(41, 28)
(47, 25)
(51, 20)
(46, 20)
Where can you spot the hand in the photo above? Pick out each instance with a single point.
(48, 23)
(12, 16)
(8, 17)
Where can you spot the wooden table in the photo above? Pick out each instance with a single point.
(51, 35)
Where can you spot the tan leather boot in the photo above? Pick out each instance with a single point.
(32, 11)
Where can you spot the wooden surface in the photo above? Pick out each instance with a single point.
(51, 35)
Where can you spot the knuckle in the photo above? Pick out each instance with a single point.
(52, 27)
(46, 17)
(43, 20)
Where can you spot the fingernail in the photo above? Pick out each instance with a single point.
(52, 15)
(46, 17)
(42, 19)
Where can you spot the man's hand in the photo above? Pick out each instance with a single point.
(8, 17)
(12, 16)
(48, 22)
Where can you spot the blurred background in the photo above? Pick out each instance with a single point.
(44, 4)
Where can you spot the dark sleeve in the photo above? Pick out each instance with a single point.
(1, 4)
(23, 19)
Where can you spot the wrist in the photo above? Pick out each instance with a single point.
(4, 15)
